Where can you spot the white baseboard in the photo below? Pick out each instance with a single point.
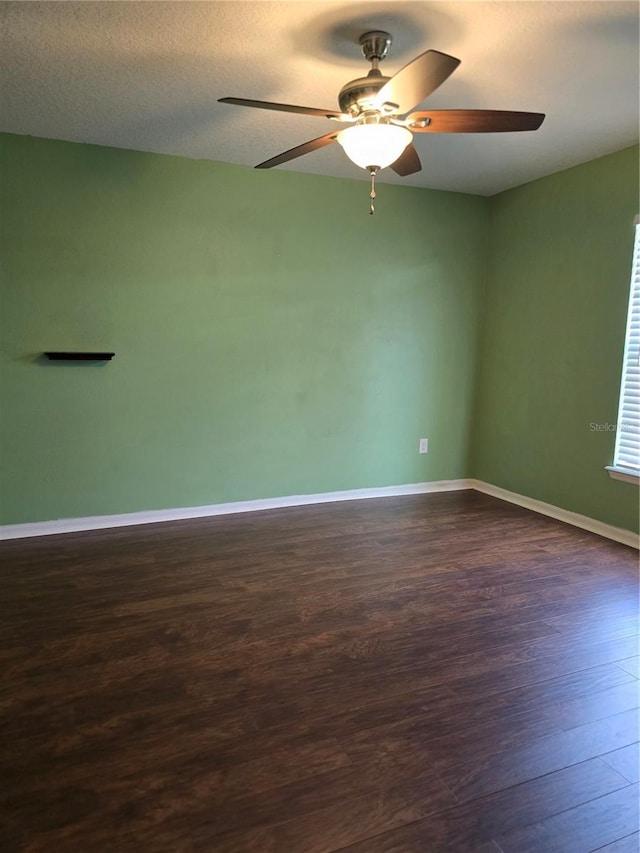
(99, 522)
(618, 534)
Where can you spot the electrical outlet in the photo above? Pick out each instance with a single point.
(423, 445)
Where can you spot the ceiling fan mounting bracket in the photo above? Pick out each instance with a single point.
(375, 45)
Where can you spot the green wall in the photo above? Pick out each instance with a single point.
(557, 285)
(272, 338)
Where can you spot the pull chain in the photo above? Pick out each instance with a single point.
(372, 194)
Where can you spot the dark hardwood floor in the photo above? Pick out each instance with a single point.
(433, 673)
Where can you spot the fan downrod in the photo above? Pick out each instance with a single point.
(359, 95)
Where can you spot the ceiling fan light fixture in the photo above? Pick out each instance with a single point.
(374, 146)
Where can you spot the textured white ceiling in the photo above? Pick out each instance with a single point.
(147, 75)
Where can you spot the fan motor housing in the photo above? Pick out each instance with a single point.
(360, 94)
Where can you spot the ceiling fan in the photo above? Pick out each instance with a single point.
(378, 109)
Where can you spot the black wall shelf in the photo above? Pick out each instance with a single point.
(80, 356)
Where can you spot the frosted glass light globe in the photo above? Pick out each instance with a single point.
(374, 145)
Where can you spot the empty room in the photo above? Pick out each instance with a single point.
(319, 427)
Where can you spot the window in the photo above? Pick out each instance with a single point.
(626, 457)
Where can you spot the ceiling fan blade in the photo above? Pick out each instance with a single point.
(473, 121)
(408, 163)
(299, 150)
(286, 108)
(417, 80)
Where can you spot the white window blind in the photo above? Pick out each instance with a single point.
(627, 450)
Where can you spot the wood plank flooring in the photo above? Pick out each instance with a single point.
(406, 675)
